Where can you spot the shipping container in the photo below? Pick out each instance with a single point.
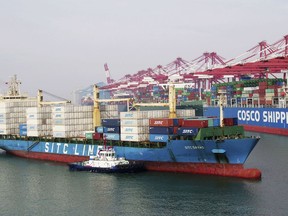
(134, 122)
(197, 123)
(89, 134)
(187, 131)
(111, 129)
(158, 137)
(134, 137)
(110, 122)
(134, 130)
(161, 130)
(97, 136)
(99, 129)
(162, 122)
(111, 136)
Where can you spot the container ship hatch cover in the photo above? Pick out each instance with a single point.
(164, 140)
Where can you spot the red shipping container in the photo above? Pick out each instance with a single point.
(261, 84)
(97, 136)
(161, 122)
(198, 123)
(228, 121)
(262, 101)
(175, 130)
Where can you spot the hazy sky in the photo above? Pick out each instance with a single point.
(61, 45)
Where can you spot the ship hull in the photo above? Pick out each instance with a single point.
(186, 156)
(264, 120)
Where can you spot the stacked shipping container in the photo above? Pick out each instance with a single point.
(249, 93)
(13, 113)
(39, 121)
(71, 121)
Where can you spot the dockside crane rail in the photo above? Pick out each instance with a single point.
(41, 102)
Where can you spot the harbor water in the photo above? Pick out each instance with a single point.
(30, 187)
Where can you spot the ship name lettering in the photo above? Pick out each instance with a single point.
(83, 152)
(65, 148)
(248, 115)
(90, 150)
(194, 147)
(58, 147)
(275, 117)
(46, 149)
(76, 152)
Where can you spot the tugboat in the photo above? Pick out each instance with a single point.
(107, 162)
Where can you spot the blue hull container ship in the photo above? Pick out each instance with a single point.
(259, 105)
(170, 140)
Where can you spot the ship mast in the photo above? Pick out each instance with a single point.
(221, 103)
(13, 87)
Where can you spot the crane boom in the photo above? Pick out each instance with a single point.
(41, 102)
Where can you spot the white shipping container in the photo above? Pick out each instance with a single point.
(158, 114)
(134, 115)
(62, 109)
(5, 131)
(5, 121)
(185, 113)
(109, 114)
(5, 126)
(134, 130)
(61, 128)
(60, 134)
(33, 127)
(4, 115)
(134, 137)
(6, 110)
(134, 122)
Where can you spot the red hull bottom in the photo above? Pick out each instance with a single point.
(49, 157)
(228, 170)
(276, 131)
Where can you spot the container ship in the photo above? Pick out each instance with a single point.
(164, 140)
(259, 105)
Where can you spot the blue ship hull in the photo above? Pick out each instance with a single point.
(236, 151)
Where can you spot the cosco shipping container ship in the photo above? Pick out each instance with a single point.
(164, 140)
(259, 105)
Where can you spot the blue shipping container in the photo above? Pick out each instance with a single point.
(161, 130)
(99, 129)
(111, 136)
(187, 131)
(23, 127)
(158, 137)
(110, 122)
(23, 132)
(111, 129)
(216, 122)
